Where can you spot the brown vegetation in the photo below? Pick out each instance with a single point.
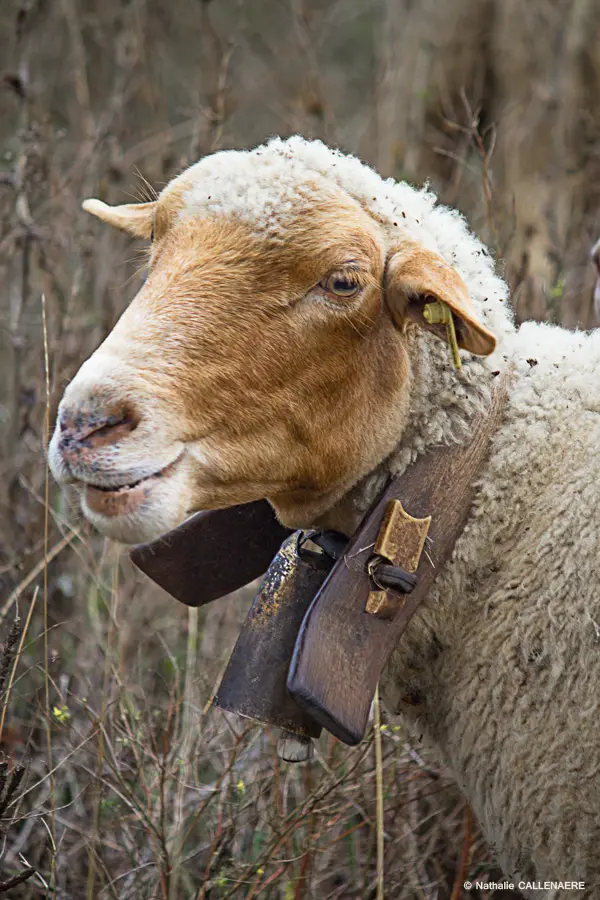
(133, 786)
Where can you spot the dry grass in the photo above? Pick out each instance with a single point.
(154, 793)
(119, 779)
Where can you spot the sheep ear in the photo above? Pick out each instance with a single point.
(136, 218)
(416, 276)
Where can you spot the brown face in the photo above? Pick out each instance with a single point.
(246, 367)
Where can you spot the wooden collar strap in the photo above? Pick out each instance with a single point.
(319, 632)
(350, 629)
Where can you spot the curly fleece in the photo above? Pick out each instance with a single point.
(501, 668)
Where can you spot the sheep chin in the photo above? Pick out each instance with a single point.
(140, 513)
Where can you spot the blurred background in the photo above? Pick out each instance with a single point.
(117, 778)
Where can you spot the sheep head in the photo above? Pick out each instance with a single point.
(266, 355)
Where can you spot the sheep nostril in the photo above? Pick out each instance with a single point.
(110, 432)
(92, 429)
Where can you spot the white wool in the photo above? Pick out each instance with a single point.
(503, 663)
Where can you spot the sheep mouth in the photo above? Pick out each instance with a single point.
(122, 487)
(110, 501)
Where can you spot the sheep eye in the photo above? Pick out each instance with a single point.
(340, 285)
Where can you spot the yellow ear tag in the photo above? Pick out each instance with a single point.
(438, 313)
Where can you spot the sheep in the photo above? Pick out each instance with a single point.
(278, 349)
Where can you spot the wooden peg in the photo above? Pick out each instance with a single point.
(400, 542)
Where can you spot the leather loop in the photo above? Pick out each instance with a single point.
(393, 578)
(332, 543)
